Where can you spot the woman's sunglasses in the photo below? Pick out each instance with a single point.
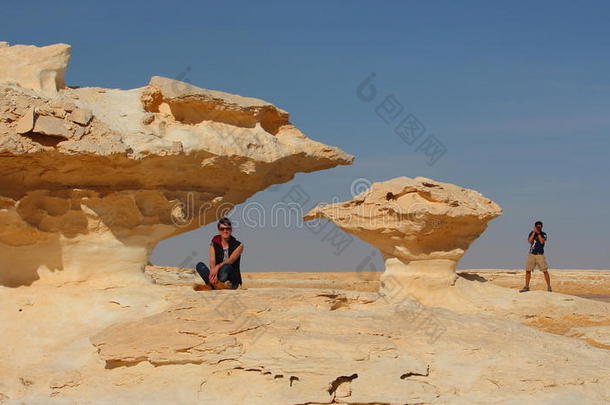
(225, 228)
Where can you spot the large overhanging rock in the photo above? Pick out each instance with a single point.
(91, 179)
(421, 226)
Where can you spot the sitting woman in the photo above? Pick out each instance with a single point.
(225, 255)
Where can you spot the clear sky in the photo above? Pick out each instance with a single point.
(518, 93)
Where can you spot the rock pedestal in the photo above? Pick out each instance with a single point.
(421, 226)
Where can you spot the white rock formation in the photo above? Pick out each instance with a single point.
(421, 226)
(92, 179)
(32, 67)
(167, 344)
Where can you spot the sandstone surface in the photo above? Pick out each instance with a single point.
(168, 344)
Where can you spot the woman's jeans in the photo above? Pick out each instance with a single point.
(226, 272)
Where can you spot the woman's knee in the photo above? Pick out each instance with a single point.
(201, 267)
(224, 273)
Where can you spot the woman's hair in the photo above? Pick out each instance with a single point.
(223, 221)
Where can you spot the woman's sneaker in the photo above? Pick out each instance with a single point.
(524, 289)
(201, 287)
(219, 285)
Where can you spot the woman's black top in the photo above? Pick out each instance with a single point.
(219, 254)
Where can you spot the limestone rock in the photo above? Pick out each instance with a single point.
(32, 67)
(51, 126)
(190, 104)
(368, 350)
(106, 174)
(81, 116)
(26, 122)
(272, 333)
(421, 226)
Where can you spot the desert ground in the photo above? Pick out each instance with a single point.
(590, 284)
(305, 338)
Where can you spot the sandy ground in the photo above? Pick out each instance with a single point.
(590, 284)
(594, 284)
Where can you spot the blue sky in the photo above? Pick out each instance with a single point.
(519, 94)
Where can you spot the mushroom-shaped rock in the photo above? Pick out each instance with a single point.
(421, 226)
(91, 179)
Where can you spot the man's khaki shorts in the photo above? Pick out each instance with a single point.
(536, 260)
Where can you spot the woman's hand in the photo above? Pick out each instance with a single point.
(214, 274)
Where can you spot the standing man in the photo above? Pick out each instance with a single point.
(535, 257)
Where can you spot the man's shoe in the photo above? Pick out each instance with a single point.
(524, 289)
(202, 287)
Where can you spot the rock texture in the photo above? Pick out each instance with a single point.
(421, 226)
(168, 344)
(32, 67)
(92, 178)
